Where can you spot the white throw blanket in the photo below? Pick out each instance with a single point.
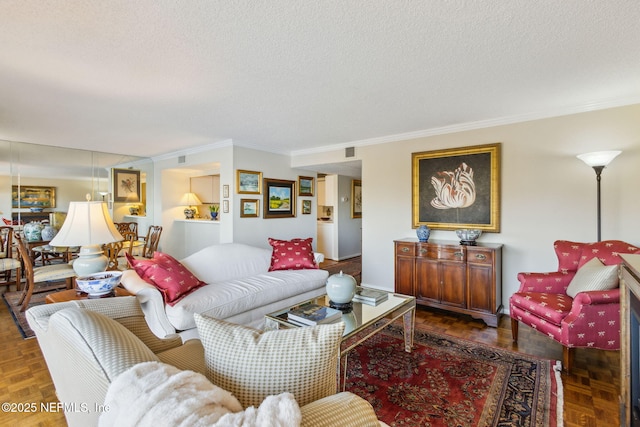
(155, 394)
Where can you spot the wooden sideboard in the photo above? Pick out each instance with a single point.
(446, 275)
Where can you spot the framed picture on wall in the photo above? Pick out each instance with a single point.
(126, 185)
(457, 188)
(248, 182)
(249, 208)
(33, 196)
(305, 186)
(356, 198)
(306, 207)
(279, 198)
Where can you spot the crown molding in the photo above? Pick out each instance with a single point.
(481, 124)
(193, 150)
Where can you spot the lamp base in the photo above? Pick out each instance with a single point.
(91, 259)
(189, 213)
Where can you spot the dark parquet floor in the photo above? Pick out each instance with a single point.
(590, 391)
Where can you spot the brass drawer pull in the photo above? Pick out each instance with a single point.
(481, 256)
(460, 254)
(423, 251)
(405, 249)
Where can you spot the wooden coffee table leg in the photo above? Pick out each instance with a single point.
(409, 321)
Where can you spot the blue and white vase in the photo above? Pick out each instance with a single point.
(423, 233)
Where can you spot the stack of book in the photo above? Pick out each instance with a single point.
(370, 296)
(313, 314)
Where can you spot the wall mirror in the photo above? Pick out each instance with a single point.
(71, 174)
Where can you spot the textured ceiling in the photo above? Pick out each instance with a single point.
(148, 77)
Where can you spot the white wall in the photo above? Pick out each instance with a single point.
(547, 193)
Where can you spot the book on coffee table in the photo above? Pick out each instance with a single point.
(370, 296)
(313, 314)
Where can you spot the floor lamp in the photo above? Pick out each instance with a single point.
(598, 160)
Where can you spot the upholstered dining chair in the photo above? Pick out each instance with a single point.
(36, 275)
(578, 305)
(7, 262)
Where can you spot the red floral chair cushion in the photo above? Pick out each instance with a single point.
(591, 319)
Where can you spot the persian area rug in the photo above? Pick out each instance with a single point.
(11, 300)
(447, 381)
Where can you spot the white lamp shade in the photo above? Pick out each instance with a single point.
(598, 158)
(87, 223)
(190, 199)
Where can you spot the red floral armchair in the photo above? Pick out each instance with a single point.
(589, 319)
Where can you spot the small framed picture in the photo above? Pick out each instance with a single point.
(225, 206)
(126, 185)
(225, 191)
(306, 207)
(249, 208)
(305, 185)
(249, 182)
(279, 198)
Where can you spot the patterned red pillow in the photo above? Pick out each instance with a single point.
(167, 274)
(295, 254)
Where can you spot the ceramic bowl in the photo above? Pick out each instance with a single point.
(36, 209)
(468, 235)
(99, 283)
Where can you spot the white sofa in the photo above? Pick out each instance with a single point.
(240, 289)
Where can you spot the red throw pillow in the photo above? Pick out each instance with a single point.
(295, 254)
(6, 221)
(167, 274)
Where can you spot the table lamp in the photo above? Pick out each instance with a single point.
(190, 199)
(88, 225)
(133, 201)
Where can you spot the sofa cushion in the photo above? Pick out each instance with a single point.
(593, 276)
(173, 279)
(253, 365)
(228, 261)
(232, 297)
(295, 254)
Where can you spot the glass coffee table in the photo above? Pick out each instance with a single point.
(361, 323)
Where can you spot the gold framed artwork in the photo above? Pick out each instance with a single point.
(356, 198)
(126, 185)
(457, 188)
(248, 182)
(305, 186)
(279, 198)
(306, 207)
(33, 196)
(249, 208)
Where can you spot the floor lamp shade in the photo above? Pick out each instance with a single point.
(88, 225)
(598, 160)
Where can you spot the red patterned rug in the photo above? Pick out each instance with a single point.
(448, 381)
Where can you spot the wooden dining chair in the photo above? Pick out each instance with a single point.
(49, 275)
(112, 252)
(126, 227)
(151, 241)
(7, 262)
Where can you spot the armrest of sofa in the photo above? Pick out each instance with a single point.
(342, 409)
(151, 302)
(555, 282)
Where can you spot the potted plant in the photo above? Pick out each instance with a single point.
(213, 210)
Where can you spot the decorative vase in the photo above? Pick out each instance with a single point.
(48, 233)
(214, 216)
(423, 233)
(33, 231)
(341, 288)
